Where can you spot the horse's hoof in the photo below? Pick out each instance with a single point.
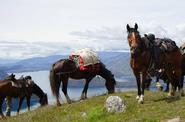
(2, 117)
(69, 101)
(140, 101)
(182, 93)
(169, 96)
(137, 97)
(59, 104)
(83, 98)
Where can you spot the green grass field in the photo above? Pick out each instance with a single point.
(156, 108)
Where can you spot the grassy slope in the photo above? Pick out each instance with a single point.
(155, 108)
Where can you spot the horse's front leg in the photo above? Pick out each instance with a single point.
(64, 89)
(142, 80)
(138, 85)
(20, 103)
(28, 102)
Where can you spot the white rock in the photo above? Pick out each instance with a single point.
(83, 114)
(115, 104)
(174, 120)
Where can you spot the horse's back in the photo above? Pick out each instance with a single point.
(64, 65)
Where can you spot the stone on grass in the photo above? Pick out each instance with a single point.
(115, 104)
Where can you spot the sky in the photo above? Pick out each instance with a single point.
(32, 28)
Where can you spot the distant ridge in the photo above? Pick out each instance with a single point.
(117, 62)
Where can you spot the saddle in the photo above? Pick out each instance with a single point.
(162, 44)
(166, 45)
(86, 60)
(17, 84)
(158, 46)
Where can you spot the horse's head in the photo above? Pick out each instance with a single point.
(11, 77)
(110, 84)
(44, 100)
(134, 39)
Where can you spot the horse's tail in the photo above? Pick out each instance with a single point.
(54, 82)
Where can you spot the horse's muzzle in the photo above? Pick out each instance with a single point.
(111, 91)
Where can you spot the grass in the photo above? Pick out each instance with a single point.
(155, 109)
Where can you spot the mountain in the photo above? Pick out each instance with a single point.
(3, 74)
(117, 62)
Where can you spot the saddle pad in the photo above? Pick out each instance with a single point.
(85, 57)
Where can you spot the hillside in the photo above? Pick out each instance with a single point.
(156, 108)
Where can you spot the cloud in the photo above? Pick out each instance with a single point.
(102, 39)
(22, 50)
(115, 38)
(105, 38)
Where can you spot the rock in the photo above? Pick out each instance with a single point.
(174, 120)
(114, 104)
(84, 114)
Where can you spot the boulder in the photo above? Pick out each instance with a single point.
(115, 104)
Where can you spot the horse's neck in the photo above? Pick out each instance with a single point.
(141, 61)
(38, 91)
(104, 72)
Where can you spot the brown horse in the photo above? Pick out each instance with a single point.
(32, 88)
(64, 69)
(141, 59)
(8, 89)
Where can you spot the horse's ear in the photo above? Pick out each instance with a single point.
(13, 75)
(136, 26)
(128, 28)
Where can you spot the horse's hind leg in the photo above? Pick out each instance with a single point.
(181, 85)
(84, 92)
(178, 75)
(64, 89)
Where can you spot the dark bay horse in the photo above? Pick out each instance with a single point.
(8, 89)
(141, 59)
(32, 88)
(64, 69)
